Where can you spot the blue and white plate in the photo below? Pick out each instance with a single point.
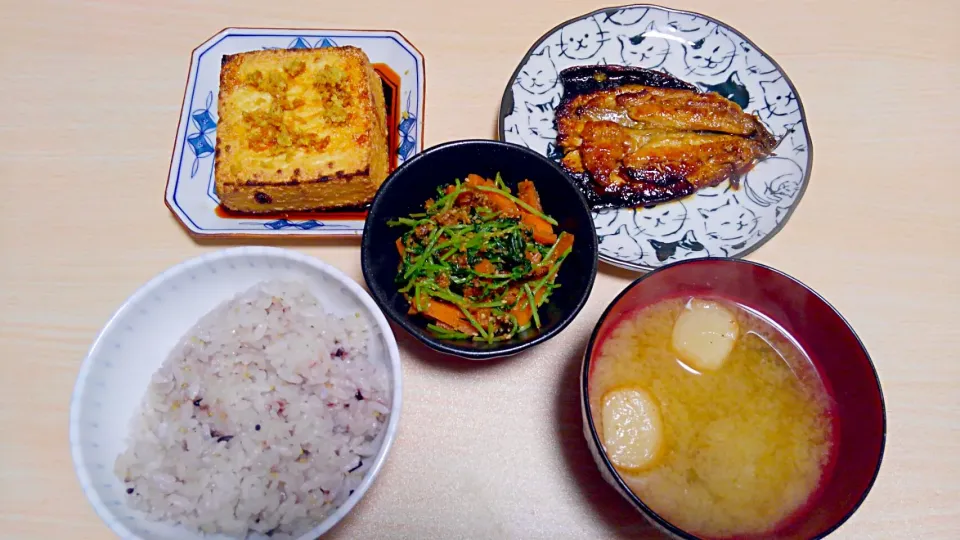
(190, 189)
(719, 221)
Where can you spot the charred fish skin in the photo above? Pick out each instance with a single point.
(579, 80)
(635, 137)
(633, 195)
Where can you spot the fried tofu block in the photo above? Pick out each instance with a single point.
(300, 129)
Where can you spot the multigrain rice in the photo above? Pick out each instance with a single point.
(263, 419)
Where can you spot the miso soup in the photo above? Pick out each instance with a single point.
(714, 417)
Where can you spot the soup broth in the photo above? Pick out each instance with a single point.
(742, 445)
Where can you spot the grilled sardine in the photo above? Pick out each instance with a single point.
(635, 137)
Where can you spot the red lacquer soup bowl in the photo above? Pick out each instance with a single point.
(859, 418)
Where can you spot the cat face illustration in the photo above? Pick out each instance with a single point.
(778, 98)
(554, 152)
(757, 64)
(781, 213)
(687, 247)
(681, 22)
(541, 119)
(539, 74)
(774, 181)
(732, 89)
(606, 221)
(660, 221)
(625, 17)
(621, 244)
(729, 223)
(797, 136)
(709, 55)
(582, 39)
(511, 126)
(644, 50)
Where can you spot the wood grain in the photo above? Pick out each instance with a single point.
(91, 95)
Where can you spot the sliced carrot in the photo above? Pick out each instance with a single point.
(450, 315)
(500, 203)
(503, 204)
(445, 326)
(400, 248)
(542, 231)
(563, 245)
(483, 316)
(522, 314)
(467, 328)
(522, 310)
(485, 267)
(506, 207)
(527, 193)
(513, 294)
(477, 180)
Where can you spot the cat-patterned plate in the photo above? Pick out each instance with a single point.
(719, 221)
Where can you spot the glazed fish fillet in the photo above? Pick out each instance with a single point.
(634, 137)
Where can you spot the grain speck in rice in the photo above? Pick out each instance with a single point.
(263, 419)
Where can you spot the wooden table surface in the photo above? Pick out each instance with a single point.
(91, 93)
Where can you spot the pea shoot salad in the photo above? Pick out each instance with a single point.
(479, 261)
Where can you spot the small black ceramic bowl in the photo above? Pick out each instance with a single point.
(405, 191)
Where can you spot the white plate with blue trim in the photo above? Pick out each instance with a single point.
(138, 337)
(720, 221)
(190, 193)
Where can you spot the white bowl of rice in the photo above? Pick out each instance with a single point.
(249, 393)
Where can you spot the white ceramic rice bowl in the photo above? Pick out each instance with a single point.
(138, 338)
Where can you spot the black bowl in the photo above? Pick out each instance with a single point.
(405, 191)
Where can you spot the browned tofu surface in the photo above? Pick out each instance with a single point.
(299, 129)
